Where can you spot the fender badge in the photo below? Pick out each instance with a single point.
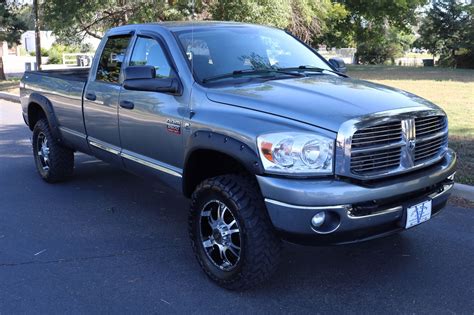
(173, 126)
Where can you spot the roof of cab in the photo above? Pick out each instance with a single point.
(184, 25)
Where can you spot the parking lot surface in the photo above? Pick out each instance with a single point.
(109, 242)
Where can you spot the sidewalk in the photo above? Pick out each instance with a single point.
(10, 97)
(464, 191)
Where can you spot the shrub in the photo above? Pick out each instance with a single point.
(56, 53)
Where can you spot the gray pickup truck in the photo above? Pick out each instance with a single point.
(269, 140)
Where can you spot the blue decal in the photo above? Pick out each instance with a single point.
(419, 214)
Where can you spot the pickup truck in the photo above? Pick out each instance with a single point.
(270, 141)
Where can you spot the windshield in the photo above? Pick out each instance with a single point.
(214, 52)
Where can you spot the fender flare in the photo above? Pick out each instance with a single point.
(47, 108)
(238, 150)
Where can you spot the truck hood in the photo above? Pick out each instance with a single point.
(325, 101)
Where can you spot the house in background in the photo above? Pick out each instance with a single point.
(28, 40)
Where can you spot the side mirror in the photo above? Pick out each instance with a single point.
(338, 64)
(142, 78)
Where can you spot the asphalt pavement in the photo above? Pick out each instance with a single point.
(109, 242)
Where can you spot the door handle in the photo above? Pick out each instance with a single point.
(127, 104)
(91, 96)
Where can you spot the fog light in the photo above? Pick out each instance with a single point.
(318, 219)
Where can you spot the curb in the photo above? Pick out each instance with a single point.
(463, 191)
(10, 97)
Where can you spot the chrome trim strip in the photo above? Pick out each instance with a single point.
(382, 147)
(72, 132)
(447, 188)
(387, 211)
(435, 195)
(151, 165)
(130, 157)
(104, 147)
(287, 205)
(439, 134)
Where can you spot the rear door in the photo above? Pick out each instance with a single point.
(151, 131)
(101, 99)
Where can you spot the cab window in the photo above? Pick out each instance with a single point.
(148, 52)
(112, 58)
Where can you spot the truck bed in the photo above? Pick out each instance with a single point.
(78, 74)
(64, 89)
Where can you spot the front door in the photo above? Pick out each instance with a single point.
(101, 100)
(150, 123)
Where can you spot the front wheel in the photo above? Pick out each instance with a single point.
(231, 233)
(54, 162)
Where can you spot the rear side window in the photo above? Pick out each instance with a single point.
(112, 58)
(148, 52)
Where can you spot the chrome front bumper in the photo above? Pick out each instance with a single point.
(292, 203)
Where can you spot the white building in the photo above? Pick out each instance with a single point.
(28, 40)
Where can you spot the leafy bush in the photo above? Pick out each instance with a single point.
(44, 52)
(382, 44)
(56, 53)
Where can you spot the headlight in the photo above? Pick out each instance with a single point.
(296, 153)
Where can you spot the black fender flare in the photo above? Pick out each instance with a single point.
(238, 150)
(47, 107)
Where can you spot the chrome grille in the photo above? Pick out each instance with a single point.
(397, 145)
(431, 137)
(431, 125)
(369, 148)
(377, 135)
(375, 160)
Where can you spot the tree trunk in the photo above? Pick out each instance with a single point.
(453, 57)
(2, 74)
(37, 35)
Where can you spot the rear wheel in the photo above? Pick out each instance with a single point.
(54, 162)
(231, 233)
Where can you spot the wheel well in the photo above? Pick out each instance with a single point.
(203, 164)
(35, 113)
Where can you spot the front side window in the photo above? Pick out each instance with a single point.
(112, 58)
(219, 51)
(148, 52)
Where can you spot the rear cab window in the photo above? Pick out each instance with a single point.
(112, 58)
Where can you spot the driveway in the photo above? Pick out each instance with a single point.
(109, 242)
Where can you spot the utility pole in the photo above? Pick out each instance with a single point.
(37, 34)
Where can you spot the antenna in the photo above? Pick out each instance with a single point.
(192, 35)
(191, 111)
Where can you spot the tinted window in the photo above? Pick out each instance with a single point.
(112, 58)
(148, 52)
(214, 52)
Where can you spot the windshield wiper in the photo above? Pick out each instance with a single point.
(310, 69)
(238, 73)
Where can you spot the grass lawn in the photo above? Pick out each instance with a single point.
(10, 86)
(452, 89)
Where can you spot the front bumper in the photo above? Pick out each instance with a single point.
(358, 211)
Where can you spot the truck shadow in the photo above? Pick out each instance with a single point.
(301, 265)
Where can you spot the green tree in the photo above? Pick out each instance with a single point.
(269, 12)
(11, 26)
(446, 29)
(70, 20)
(305, 19)
(370, 26)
